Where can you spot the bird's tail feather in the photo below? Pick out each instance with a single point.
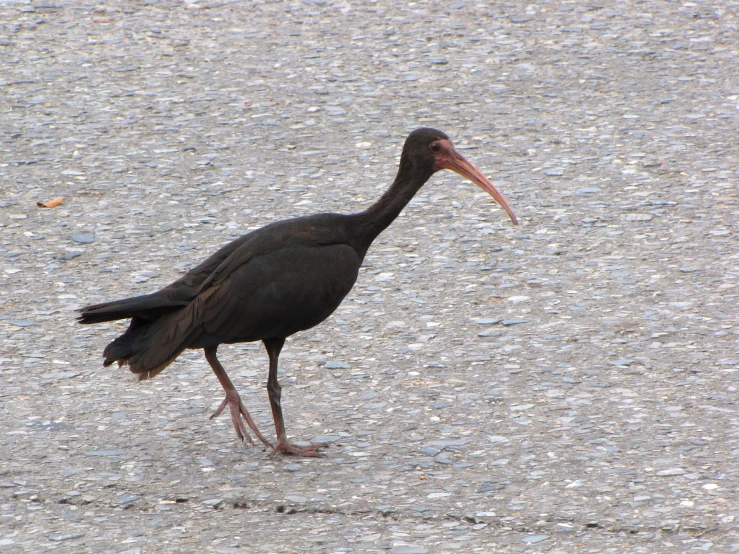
(159, 343)
(148, 306)
(119, 350)
(148, 347)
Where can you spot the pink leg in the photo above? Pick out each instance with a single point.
(275, 391)
(232, 400)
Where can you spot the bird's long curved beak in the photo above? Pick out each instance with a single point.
(450, 158)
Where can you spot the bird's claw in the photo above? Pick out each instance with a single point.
(304, 451)
(238, 423)
(237, 409)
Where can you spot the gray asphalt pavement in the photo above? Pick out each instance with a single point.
(567, 385)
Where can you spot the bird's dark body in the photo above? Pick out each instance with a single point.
(269, 284)
(273, 282)
(280, 293)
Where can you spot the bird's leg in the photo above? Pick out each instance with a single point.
(274, 390)
(232, 400)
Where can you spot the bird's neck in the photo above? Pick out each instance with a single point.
(375, 219)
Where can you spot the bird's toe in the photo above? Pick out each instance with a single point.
(303, 451)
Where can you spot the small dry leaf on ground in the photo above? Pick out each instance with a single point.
(51, 203)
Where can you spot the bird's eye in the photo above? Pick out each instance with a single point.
(435, 146)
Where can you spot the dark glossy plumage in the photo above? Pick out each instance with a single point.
(269, 284)
(273, 282)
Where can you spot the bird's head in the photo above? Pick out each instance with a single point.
(432, 151)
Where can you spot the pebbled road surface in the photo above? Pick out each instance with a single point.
(569, 385)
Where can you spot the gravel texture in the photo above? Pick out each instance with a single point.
(568, 385)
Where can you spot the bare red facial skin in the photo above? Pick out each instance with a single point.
(448, 157)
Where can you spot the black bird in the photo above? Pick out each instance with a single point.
(271, 283)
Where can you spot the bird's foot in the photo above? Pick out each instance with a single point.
(304, 451)
(237, 409)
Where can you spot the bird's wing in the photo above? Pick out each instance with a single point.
(314, 230)
(277, 293)
(186, 287)
(233, 253)
(299, 232)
